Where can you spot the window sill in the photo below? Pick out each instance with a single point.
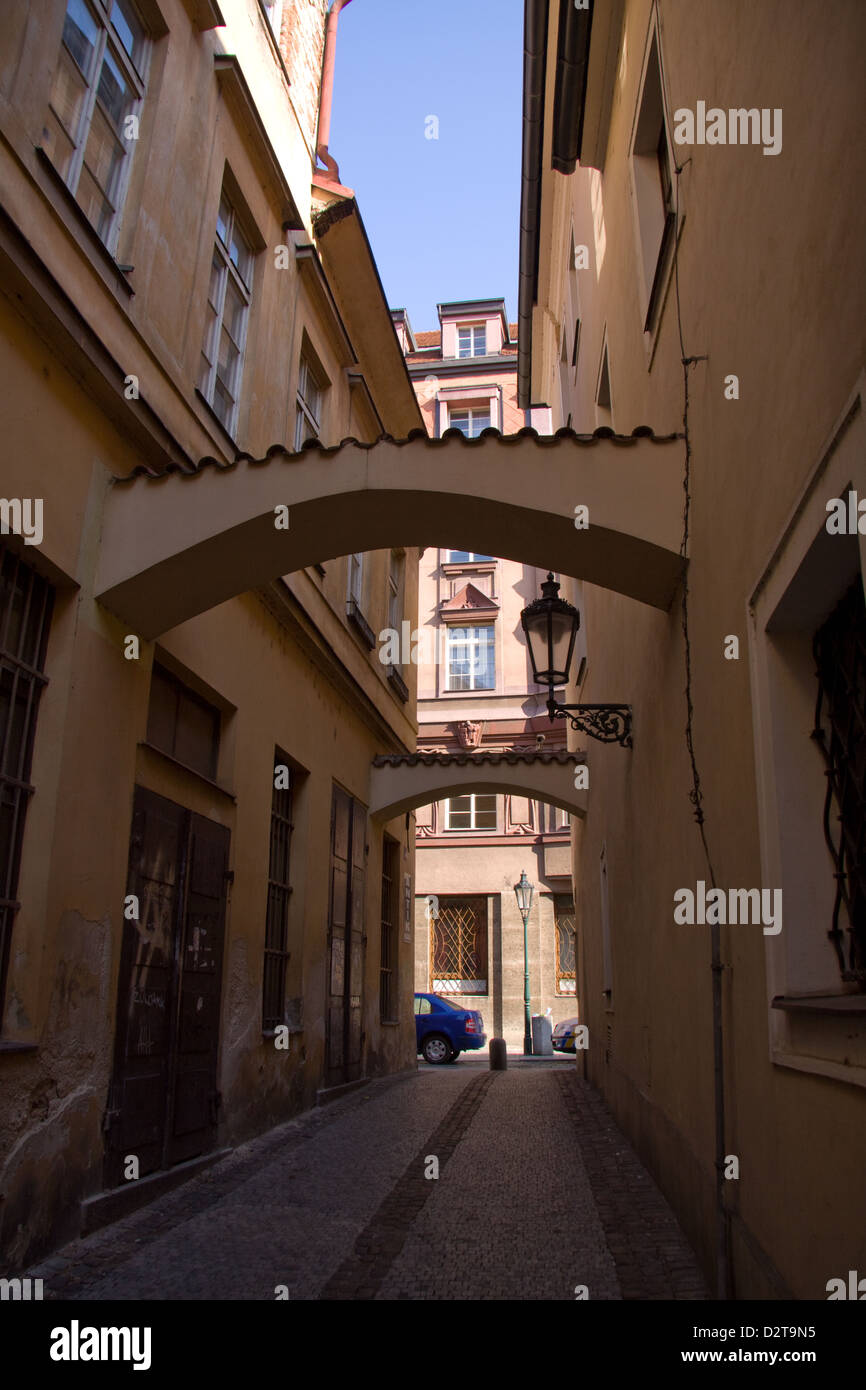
(202, 398)
(84, 225)
(190, 771)
(10, 1046)
(359, 623)
(835, 1004)
(396, 681)
(389, 1023)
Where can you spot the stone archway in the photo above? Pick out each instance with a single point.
(400, 783)
(177, 544)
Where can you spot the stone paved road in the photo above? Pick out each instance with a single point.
(538, 1192)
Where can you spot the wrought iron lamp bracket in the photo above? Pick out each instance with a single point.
(607, 723)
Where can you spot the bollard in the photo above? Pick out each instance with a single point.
(498, 1055)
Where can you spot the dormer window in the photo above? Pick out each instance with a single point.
(472, 340)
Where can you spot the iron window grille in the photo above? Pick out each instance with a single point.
(227, 317)
(388, 944)
(458, 947)
(26, 602)
(566, 963)
(277, 954)
(95, 103)
(840, 731)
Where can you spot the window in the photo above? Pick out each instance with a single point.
(472, 341)
(26, 602)
(98, 86)
(227, 315)
(566, 972)
(840, 732)
(477, 811)
(396, 576)
(602, 393)
(471, 422)
(423, 1006)
(653, 184)
(274, 12)
(311, 393)
(279, 892)
(458, 947)
(470, 658)
(465, 557)
(356, 579)
(388, 945)
(182, 724)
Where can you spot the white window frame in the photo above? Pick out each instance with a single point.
(653, 247)
(396, 581)
(310, 402)
(355, 584)
(466, 635)
(109, 41)
(472, 414)
(477, 335)
(474, 810)
(228, 274)
(472, 557)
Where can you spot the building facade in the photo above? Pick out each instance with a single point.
(202, 928)
(693, 262)
(475, 697)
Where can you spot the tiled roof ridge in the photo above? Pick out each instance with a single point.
(562, 756)
(544, 441)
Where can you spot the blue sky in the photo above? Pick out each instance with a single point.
(442, 215)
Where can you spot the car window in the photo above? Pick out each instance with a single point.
(423, 1006)
(447, 1004)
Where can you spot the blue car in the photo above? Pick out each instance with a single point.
(443, 1030)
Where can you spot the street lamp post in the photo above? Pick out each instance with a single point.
(551, 625)
(523, 891)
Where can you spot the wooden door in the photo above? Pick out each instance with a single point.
(162, 1104)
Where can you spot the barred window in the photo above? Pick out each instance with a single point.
(458, 945)
(26, 602)
(92, 121)
(840, 732)
(279, 892)
(566, 972)
(388, 944)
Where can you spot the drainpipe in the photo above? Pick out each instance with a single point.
(534, 69)
(327, 91)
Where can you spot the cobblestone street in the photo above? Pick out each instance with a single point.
(538, 1192)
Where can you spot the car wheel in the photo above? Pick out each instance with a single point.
(435, 1049)
(454, 1055)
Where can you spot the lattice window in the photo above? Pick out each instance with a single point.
(566, 964)
(25, 615)
(459, 947)
(840, 732)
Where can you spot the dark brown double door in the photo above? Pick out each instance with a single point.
(346, 939)
(163, 1100)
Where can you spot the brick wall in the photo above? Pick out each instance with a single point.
(302, 41)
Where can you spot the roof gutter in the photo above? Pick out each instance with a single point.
(534, 76)
(569, 100)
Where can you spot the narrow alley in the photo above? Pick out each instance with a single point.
(539, 1196)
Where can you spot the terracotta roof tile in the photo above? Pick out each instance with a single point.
(505, 441)
(426, 339)
(562, 757)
